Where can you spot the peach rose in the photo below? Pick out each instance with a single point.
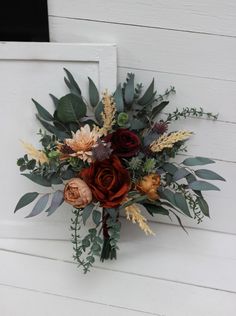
(149, 185)
(77, 193)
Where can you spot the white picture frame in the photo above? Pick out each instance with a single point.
(33, 70)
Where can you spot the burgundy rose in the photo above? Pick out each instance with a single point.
(124, 143)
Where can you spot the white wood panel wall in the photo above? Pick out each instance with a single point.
(188, 44)
(191, 45)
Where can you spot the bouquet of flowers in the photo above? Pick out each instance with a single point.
(114, 156)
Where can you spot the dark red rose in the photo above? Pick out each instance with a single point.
(124, 143)
(108, 180)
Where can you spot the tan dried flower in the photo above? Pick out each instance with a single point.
(82, 143)
(133, 213)
(77, 193)
(108, 114)
(34, 153)
(168, 141)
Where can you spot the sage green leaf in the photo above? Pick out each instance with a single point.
(39, 206)
(37, 179)
(57, 200)
(93, 93)
(203, 186)
(203, 206)
(129, 90)
(71, 108)
(136, 124)
(171, 168)
(181, 203)
(118, 97)
(155, 209)
(208, 174)
(148, 95)
(112, 212)
(87, 212)
(180, 174)
(25, 200)
(195, 161)
(98, 112)
(43, 112)
(157, 109)
(96, 217)
(72, 84)
(55, 100)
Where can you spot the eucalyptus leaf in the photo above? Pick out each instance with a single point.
(170, 168)
(181, 203)
(57, 200)
(112, 212)
(136, 124)
(208, 174)
(43, 112)
(37, 179)
(52, 129)
(96, 216)
(203, 206)
(203, 186)
(169, 195)
(147, 96)
(25, 200)
(195, 161)
(87, 212)
(39, 206)
(118, 97)
(71, 108)
(93, 93)
(180, 174)
(72, 84)
(129, 90)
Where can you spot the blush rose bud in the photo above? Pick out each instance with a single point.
(77, 193)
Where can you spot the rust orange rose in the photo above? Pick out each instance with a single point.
(149, 185)
(77, 193)
(108, 180)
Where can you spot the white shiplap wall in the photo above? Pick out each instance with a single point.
(191, 45)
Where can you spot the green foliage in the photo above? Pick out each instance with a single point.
(39, 206)
(93, 93)
(118, 97)
(71, 108)
(197, 161)
(57, 200)
(71, 83)
(190, 112)
(26, 199)
(208, 175)
(203, 186)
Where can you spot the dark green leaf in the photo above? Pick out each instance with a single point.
(208, 174)
(52, 129)
(72, 84)
(129, 90)
(118, 97)
(112, 212)
(147, 95)
(20, 161)
(39, 206)
(57, 200)
(55, 100)
(181, 203)
(169, 195)
(98, 111)
(203, 186)
(37, 179)
(87, 212)
(180, 174)
(203, 206)
(197, 161)
(96, 217)
(155, 209)
(55, 179)
(44, 114)
(25, 200)
(93, 93)
(179, 221)
(71, 108)
(157, 109)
